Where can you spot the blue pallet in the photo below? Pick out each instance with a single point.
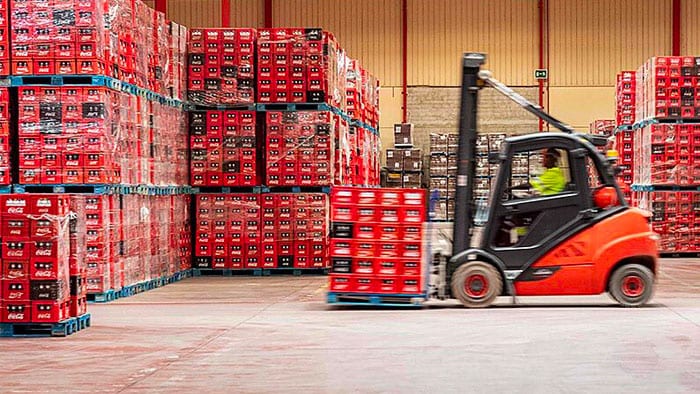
(65, 188)
(193, 106)
(107, 296)
(296, 107)
(90, 80)
(298, 189)
(62, 80)
(294, 271)
(660, 188)
(5, 189)
(229, 189)
(84, 321)
(381, 300)
(61, 329)
(196, 272)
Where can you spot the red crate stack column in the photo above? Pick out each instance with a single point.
(299, 148)
(224, 148)
(5, 150)
(4, 39)
(377, 241)
(625, 115)
(665, 153)
(221, 66)
(35, 259)
(57, 37)
(300, 65)
(99, 236)
(77, 264)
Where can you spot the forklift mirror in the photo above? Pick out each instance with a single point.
(494, 157)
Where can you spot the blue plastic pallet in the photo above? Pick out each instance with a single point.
(89, 80)
(61, 329)
(65, 188)
(226, 272)
(295, 107)
(229, 189)
(299, 189)
(381, 300)
(107, 296)
(194, 106)
(676, 188)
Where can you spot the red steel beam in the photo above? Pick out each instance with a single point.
(225, 13)
(404, 61)
(676, 27)
(268, 13)
(162, 6)
(540, 23)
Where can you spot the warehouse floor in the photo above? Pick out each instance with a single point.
(275, 334)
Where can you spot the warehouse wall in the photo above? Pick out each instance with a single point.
(436, 110)
(440, 31)
(589, 42)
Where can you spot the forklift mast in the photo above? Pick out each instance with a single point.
(473, 79)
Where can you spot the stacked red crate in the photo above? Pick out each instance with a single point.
(4, 40)
(362, 93)
(298, 65)
(377, 241)
(221, 66)
(295, 230)
(668, 88)
(299, 148)
(57, 37)
(65, 135)
(227, 232)
(625, 97)
(668, 154)
(100, 242)
(177, 67)
(95, 135)
(5, 150)
(77, 265)
(35, 258)
(676, 218)
(224, 148)
(270, 230)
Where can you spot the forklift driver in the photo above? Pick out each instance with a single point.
(551, 181)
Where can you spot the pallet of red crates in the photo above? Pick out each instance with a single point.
(253, 232)
(42, 291)
(377, 248)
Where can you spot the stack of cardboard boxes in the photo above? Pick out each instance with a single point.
(404, 163)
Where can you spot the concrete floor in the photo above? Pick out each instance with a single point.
(275, 334)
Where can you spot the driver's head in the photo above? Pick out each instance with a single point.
(550, 158)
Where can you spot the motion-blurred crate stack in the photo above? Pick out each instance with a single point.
(377, 244)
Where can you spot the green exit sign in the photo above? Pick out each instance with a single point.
(541, 73)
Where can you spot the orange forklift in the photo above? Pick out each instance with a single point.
(583, 239)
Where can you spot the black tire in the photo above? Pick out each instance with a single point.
(476, 284)
(632, 285)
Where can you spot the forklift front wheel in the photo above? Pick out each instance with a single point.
(476, 284)
(632, 285)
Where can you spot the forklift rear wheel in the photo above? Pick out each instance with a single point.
(476, 284)
(632, 285)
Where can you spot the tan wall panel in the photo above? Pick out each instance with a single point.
(247, 13)
(199, 13)
(591, 40)
(579, 106)
(690, 28)
(369, 30)
(440, 31)
(151, 3)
